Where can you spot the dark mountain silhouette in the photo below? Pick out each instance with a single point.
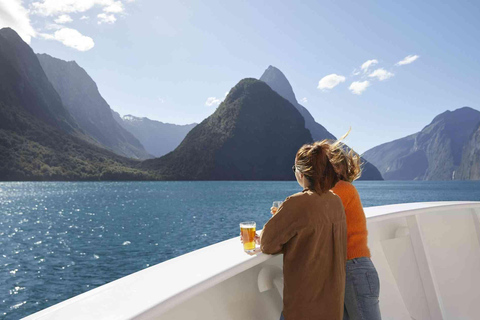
(80, 95)
(253, 135)
(25, 86)
(157, 137)
(39, 139)
(435, 153)
(280, 84)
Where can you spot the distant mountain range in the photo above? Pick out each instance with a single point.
(157, 137)
(55, 125)
(253, 135)
(448, 148)
(82, 99)
(39, 139)
(280, 84)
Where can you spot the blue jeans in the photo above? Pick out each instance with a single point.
(281, 317)
(362, 290)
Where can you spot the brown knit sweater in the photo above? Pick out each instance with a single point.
(311, 231)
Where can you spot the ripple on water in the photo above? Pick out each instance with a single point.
(18, 305)
(16, 290)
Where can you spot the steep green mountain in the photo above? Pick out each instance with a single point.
(39, 140)
(435, 153)
(280, 84)
(80, 95)
(25, 86)
(253, 135)
(157, 137)
(470, 164)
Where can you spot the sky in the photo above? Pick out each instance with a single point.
(383, 68)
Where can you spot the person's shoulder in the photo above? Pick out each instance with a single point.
(296, 196)
(332, 196)
(331, 202)
(344, 187)
(299, 198)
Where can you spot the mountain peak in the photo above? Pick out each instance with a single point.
(235, 142)
(435, 153)
(279, 83)
(272, 69)
(80, 95)
(10, 33)
(22, 73)
(457, 114)
(276, 80)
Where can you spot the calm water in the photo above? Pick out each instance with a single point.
(59, 239)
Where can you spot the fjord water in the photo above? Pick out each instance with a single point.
(59, 239)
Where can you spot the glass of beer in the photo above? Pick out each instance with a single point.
(247, 229)
(275, 206)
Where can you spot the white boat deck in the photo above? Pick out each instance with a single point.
(427, 256)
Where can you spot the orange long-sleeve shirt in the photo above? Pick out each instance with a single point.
(356, 222)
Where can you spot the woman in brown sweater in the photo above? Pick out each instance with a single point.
(310, 230)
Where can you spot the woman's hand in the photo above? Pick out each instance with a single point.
(257, 238)
(257, 243)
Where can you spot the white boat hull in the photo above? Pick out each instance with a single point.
(427, 256)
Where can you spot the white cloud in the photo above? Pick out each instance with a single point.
(212, 101)
(381, 74)
(84, 18)
(106, 18)
(56, 7)
(64, 18)
(407, 60)
(115, 7)
(304, 100)
(355, 72)
(53, 26)
(71, 38)
(358, 87)
(330, 81)
(15, 16)
(368, 64)
(161, 100)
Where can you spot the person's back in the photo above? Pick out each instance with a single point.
(356, 222)
(310, 230)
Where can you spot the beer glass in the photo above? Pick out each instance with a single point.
(275, 206)
(247, 229)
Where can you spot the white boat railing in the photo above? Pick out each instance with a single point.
(427, 256)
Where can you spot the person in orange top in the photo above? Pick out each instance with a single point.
(362, 286)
